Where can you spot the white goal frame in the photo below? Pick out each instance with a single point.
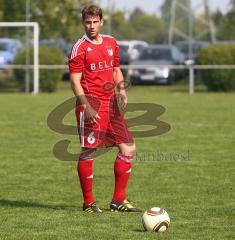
(36, 48)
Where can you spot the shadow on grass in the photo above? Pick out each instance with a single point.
(25, 204)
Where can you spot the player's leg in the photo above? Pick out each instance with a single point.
(122, 170)
(85, 173)
(119, 135)
(90, 135)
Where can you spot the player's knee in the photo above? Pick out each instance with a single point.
(132, 149)
(128, 149)
(87, 154)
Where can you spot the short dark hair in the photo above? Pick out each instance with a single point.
(92, 10)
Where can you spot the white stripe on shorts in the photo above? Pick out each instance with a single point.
(82, 128)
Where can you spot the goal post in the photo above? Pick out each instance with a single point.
(35, 27)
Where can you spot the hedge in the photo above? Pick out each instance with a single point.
(48, 78)
(218, 80)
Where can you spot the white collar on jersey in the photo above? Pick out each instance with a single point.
(100, 40)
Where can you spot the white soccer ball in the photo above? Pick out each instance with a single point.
(156, 219)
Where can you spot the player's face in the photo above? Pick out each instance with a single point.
(92, 26)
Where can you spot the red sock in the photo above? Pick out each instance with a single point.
(86, 179)
(122, 169)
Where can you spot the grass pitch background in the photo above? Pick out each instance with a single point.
(40, 196)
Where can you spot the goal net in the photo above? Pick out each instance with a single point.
(35, 66)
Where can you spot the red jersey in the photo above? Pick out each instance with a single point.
(96, 62)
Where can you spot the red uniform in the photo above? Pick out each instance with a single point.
(96, 62)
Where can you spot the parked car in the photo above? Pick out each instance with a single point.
(184, 46)
(153, 55)
(133, 48)
(124, 59)
(9, 48)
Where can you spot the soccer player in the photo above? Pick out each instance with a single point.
(95, 80)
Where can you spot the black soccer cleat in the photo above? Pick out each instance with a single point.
(124, 206)
(92, 208)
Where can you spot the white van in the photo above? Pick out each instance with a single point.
(133, 48)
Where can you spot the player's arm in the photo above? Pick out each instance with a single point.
(120, 90)
(76, 84)
(90, 114)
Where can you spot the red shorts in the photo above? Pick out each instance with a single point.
(110, 130)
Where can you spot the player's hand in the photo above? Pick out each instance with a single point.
(122, 100)
(91, 116)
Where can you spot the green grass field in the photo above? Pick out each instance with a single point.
(40, 196)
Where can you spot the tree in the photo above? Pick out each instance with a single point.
(137, 12)
(226, 26)
(147, 27)
(121, 28)
(232, 3)
(139, 26)
(217, 17)
(166, 11)
(57, 19)
(182, 16)
(12, 11)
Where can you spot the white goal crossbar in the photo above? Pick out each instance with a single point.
(36, 48)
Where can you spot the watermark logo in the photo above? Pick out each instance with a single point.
(160, 156)
(150, 116)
